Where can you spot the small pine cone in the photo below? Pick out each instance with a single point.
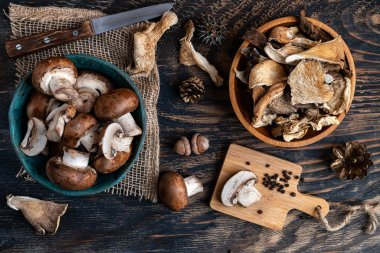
(351, 160)
(192, 90)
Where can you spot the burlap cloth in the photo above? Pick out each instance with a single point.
(116, 47)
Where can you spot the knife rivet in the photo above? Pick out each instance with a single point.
(47, 40)
(75, 33)
(18, 47)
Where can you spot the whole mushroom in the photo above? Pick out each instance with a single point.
(105, 166)
(174, 190)
(117, 105)
(56, 76)
(71, 171)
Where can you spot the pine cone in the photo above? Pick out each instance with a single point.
(192, 90)
(351, 160)
(210, 31)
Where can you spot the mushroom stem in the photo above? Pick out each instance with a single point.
(62, 89)
(57, 120)
(129, 125)
(75, 159)
(193, 185)
(90, 139)
(120, 143)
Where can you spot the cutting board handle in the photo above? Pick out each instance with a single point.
(307, 204)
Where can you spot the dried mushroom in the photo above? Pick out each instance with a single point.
(307, 84)
(340, 102)
(267, 73)
(279, 55)
(283, 34)
(188, 56)
(145, 44)
(43, 215)
(256, 38)
(282, 105)
(312, 31)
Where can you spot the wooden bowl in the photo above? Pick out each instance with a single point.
(241, 99)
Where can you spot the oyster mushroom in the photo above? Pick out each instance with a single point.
(340, 101)
(240, 188)
(117, 105)
(282, 105)
(312, 31)
(105, 166)
(174, 190)
(89, 85)
(56, 76)
(330, 52)
(283, 34)
(57, 119)
(112, 140)
(323, 121)
(188, 56)
(266, 72)
(307, 84)
(35, 140)
(81, 130)
(40, 105)
(145, 44)
(71, 171)
(43, 215)
(279, 55)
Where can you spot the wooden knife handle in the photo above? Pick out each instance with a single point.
(46, 40)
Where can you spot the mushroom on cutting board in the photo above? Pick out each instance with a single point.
(71, 171)
(35, 139)
(117, 105)
(56, 76)
(174, 190)
(240, 188)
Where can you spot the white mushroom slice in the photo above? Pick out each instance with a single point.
(129, 125)
(266, 72)
(234, 184)
(90, 139)
(248, 194)
(188, 56)
(113, 141)
(57, 120)
(74, 158)
(279, 55)
(193, 185)
(330, 52)
(35, 140)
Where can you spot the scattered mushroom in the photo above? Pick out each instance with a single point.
(145, 44)
(188, 56)
(43, 215)
(174, 190)
(182, 146)
(35, 139)
(240, 188)
(56, 76)
(199, 144)
(71, 171)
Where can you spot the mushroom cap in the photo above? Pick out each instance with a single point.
(49, 65)
(76, 128)
(116, 103)
(70, 178)
(89, 81)
(266, 72)
(105, 166)
(172, 191)
(37, 106)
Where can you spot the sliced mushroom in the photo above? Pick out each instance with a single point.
(188, 56)
(174, 190)
(35, 140)
(56, 76)
(43, 215)
(39, 105)
(307, 84)
(282, 105)
(323, 121)
(256, 38)
(117, 105)
(340, 102)
(112, 140)
(89, 85)
(283, 34)
(279, 55)
(71, 171)
(330, 52)
(57, 119)
(105, 166)
(240, 188)
(266, 72)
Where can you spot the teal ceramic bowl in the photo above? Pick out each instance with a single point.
(35, 165)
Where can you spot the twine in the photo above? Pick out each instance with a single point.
(368, 208)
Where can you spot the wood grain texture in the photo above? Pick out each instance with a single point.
(273, 204)
(109, 223)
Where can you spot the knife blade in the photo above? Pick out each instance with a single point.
(41, 41)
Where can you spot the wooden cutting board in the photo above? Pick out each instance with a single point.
(273, 204)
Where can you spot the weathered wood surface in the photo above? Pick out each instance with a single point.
(109, 223)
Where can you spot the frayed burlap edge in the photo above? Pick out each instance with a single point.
(116, 47)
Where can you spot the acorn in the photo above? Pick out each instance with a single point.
(199, 144)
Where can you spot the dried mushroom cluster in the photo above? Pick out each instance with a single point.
(298, 77)
(80, 122)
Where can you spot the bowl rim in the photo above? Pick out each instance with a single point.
(233, 83)
(89, 191)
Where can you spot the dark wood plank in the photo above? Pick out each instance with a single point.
(109, 223)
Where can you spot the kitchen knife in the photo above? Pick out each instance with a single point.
(37, 42)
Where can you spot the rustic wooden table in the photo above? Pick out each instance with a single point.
(109, 223)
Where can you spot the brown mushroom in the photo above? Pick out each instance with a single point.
(279, 55)
(199, 144)
(273, 92)
(105, 166)
(283, 34)
(35, 139)
(71, 171)
(112, 140)
(56, 76)
(77, 128)
(117, 105)
(39, 105)
(174, 190)
(266, 72)
(56, 121)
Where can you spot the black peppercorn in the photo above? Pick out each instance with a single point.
(267, 165)
(260, 211)
(290, 172)
(266, 174)
(286, 185)
(293, 194)
(296, 177)
(282, 191)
